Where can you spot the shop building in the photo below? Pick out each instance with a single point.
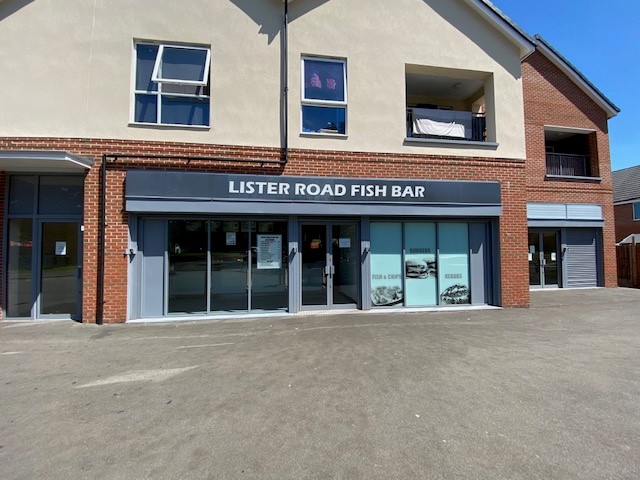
(146, 176)
(569, 184)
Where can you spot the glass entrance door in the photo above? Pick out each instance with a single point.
(543, 259)
(60, 269)
(330, 265)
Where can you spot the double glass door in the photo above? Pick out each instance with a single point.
(43, 273)
(330, 265)
(543, 259)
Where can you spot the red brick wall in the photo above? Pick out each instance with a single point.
(625, 224)
(551, 98)
(513, 225)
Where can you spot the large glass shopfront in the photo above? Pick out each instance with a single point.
(420, 264)
(220, 265)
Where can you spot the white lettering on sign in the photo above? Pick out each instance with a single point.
(325, 189)
(398, 191)
(261, 188)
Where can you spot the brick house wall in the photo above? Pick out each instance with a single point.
(625, 224)
(552, 98)
(513, 225)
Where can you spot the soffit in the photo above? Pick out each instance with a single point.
(49, 161)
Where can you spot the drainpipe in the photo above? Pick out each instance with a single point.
(102, 242)
(285, 75)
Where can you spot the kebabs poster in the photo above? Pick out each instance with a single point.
(453, 271)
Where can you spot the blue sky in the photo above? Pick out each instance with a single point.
(602, 39)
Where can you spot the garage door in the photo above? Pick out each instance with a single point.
(581, 258)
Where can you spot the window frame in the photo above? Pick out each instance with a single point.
(314, 102)
(159, 59)
(634, 205)
(159, 94)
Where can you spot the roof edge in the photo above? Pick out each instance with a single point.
(507, 27)
(576, 75)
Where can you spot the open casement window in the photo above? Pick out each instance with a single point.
(324, 96)
(182, 65)
(172, 85)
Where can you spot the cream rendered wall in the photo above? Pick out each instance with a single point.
(68, 72)
(71, 67)
(377, 40)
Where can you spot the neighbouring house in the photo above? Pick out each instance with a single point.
(626, 202)
(224, 158)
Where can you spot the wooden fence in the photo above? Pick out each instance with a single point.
(628, 258)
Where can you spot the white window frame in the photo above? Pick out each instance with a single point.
(159, 93)
(312, 102)
(633, 211)
(155, 77)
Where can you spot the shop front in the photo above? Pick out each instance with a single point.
(43, 234)
(204, 244)
(565, 245)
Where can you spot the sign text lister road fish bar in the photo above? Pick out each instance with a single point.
(337, 190)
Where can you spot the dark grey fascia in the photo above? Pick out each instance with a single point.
(308, 209)
(566, 223)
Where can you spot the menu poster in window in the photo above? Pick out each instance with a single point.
(269, 251)
(231, 238)
(420, 266)
(61, 248)
(386, 264)
(453, 263)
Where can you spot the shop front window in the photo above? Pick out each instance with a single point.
(419, 264)
(386, 264)
(225, 265)
(453, 263)
(187, 266)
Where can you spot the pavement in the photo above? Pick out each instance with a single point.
(549, 392)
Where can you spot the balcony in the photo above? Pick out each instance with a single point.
(567, 165)
(449, 107)
(433, 123)
(571, 153)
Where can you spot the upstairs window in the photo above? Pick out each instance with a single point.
(172, 85)
(636, 211)
(324, 96)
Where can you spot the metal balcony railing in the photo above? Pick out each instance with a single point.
(568, 165)
(478, 129)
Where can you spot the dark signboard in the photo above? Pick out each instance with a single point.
(145, 184)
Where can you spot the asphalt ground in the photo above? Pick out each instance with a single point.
(549, 392)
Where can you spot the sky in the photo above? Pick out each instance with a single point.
(602, 40)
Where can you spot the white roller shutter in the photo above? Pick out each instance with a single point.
(581, 258)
